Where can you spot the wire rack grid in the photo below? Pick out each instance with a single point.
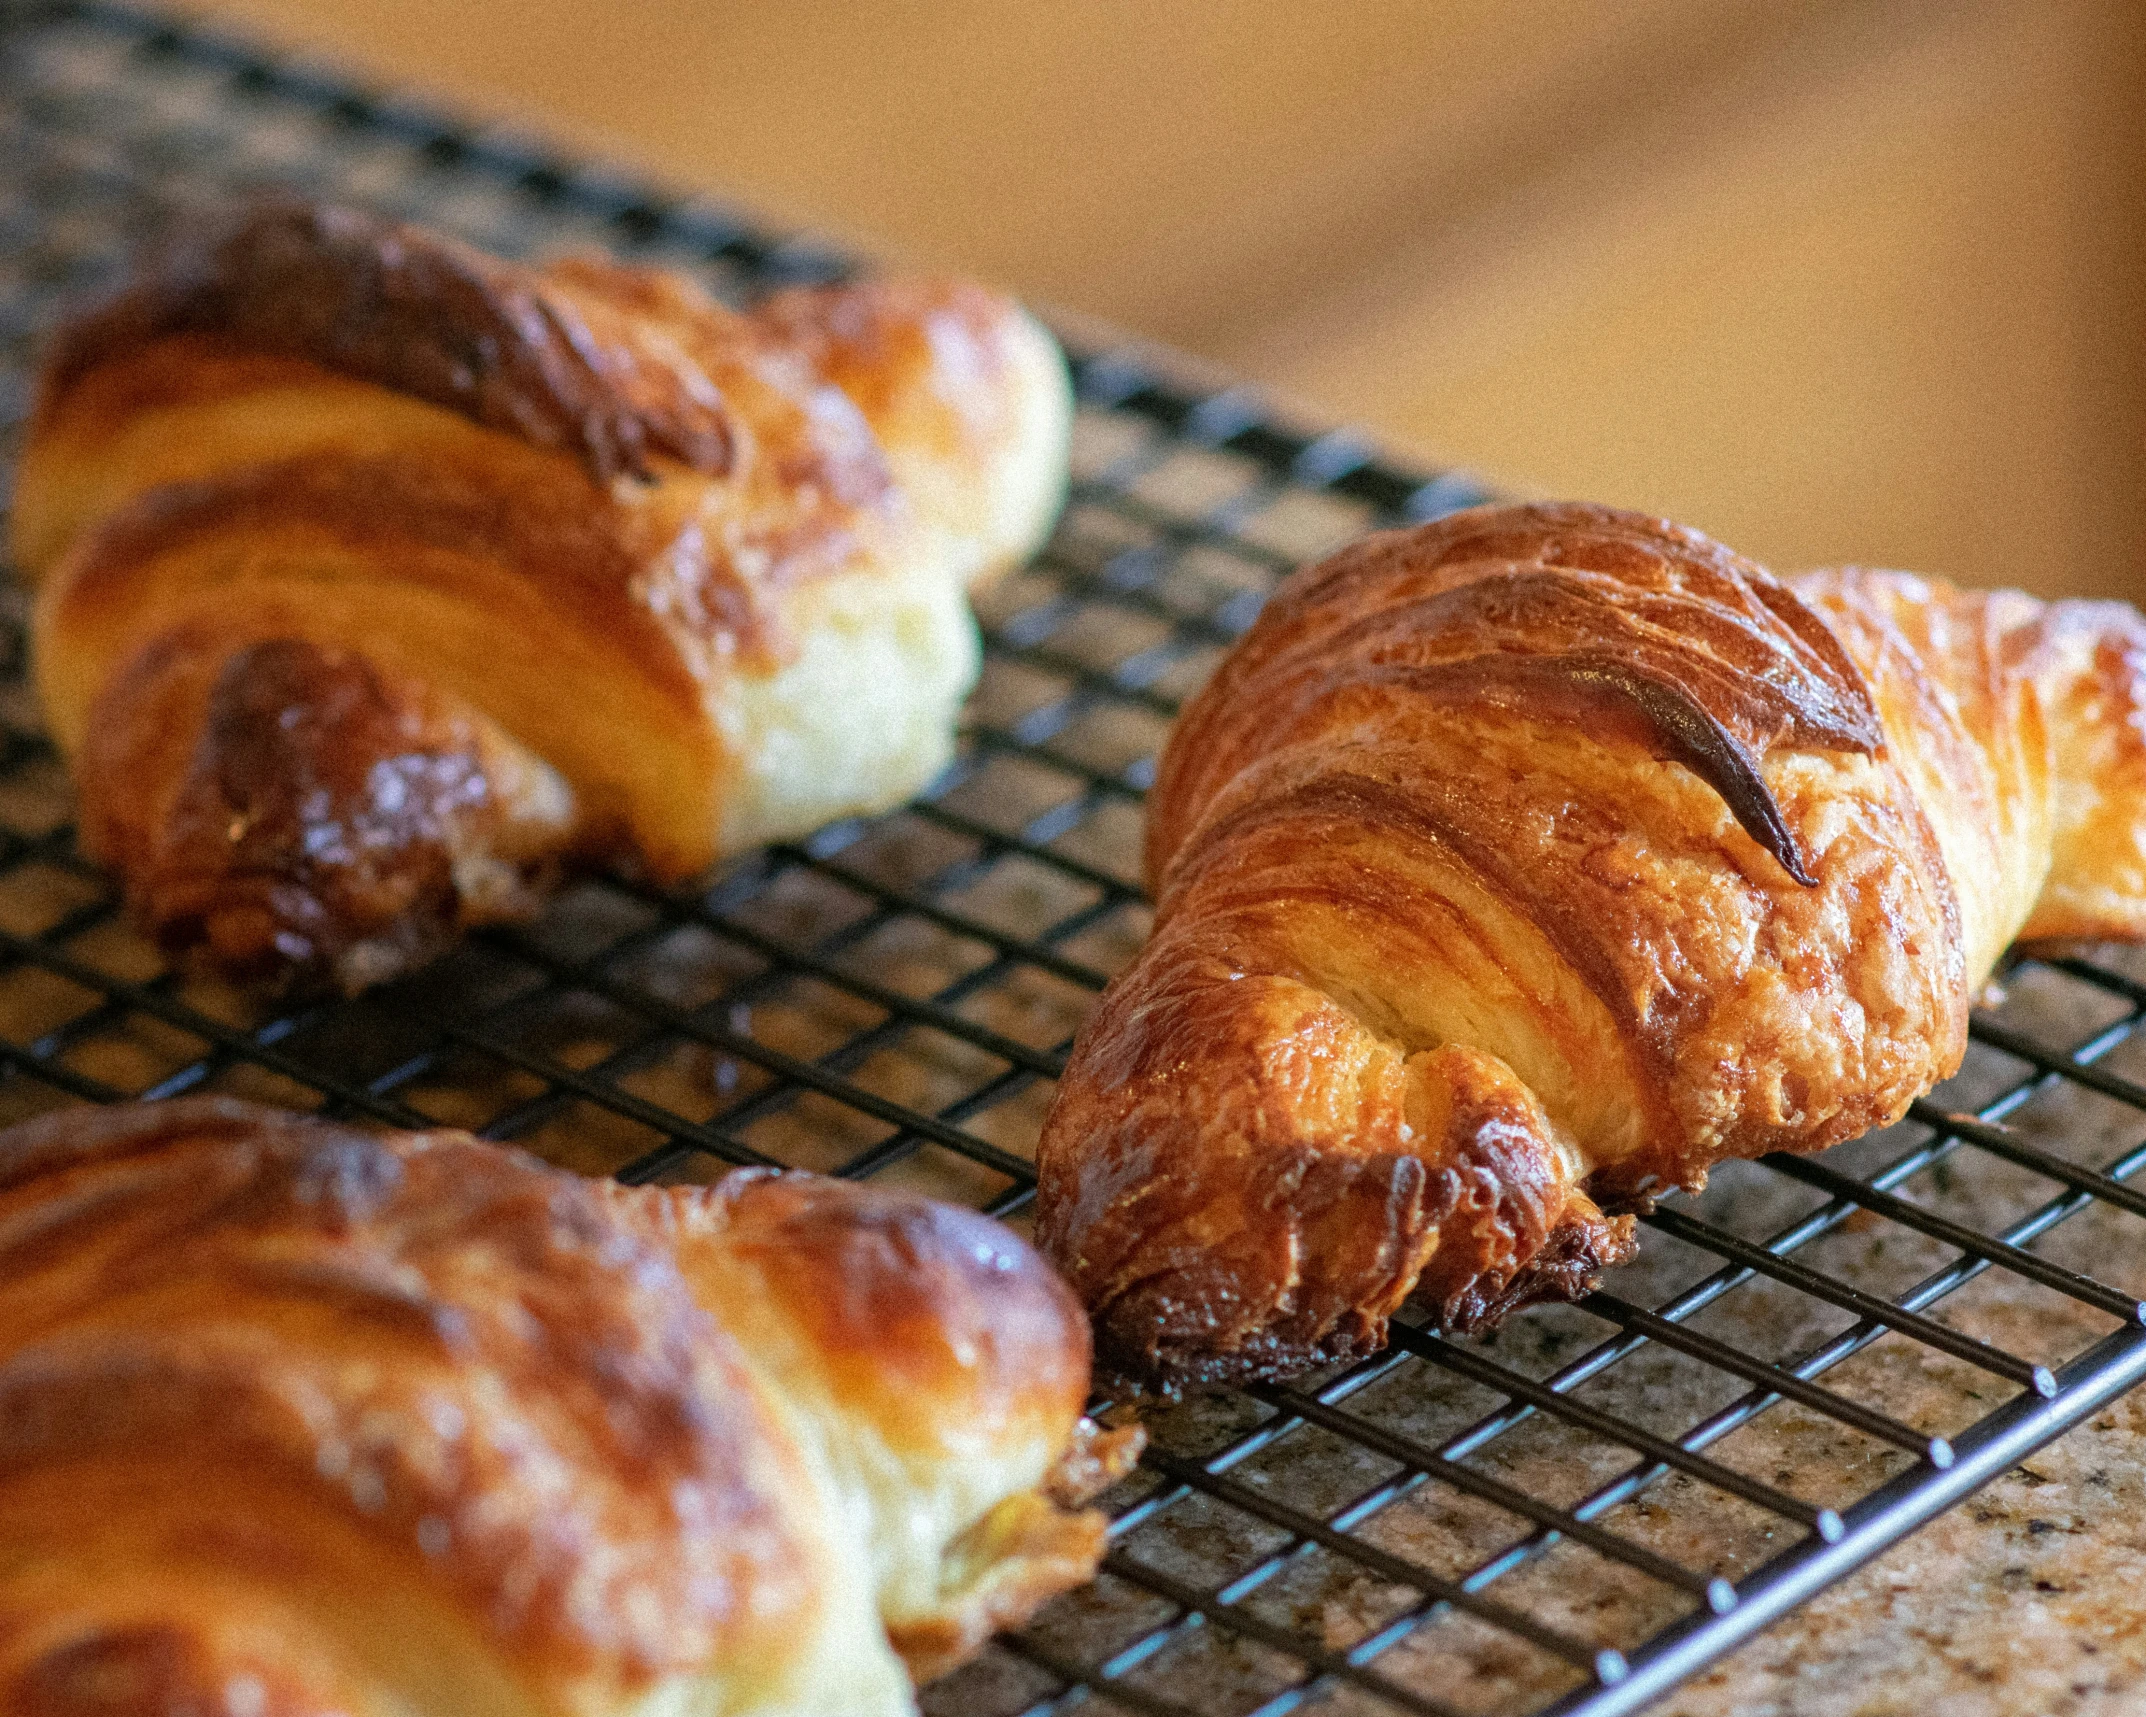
(1812, 1358)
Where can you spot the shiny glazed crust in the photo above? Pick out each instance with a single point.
(1518, 867)
(366, 1424)
(653, 580)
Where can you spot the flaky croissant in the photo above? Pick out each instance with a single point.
(300, 1420)
(377, 574)
(1517, 867)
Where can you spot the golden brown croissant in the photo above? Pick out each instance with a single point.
(377, 574)
(1525, 864)
(300, 1420)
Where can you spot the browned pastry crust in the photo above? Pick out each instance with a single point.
(669, 580)
(1518, 867)
(412, 1423)
(319, 820)
(572, 362)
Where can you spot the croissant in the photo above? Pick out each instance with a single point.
(1516, 868)
(377, 578)
(305, 1420)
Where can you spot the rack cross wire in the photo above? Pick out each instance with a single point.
(1812, 1358)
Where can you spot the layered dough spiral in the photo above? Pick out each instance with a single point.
(379, 576)
(1517, 867)
(297, 1420)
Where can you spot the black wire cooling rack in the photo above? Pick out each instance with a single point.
(1812, 1359)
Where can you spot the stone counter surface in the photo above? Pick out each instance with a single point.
(2028, 1599)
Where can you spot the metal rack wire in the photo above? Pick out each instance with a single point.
(1812, 1359)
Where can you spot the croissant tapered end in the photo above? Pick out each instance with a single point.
(938, 1352)
(689, 579)
(1522, 866)
(294, 815)
(412, 1423)
(952, 384)
(1243, 1183)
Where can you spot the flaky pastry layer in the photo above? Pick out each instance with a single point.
(697, 578)
(1519, 867)
(392, 1426)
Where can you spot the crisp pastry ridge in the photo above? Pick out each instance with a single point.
(1518, 867)
(410, 1424)
(609, 572)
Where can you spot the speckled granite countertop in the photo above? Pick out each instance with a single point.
(2030, 1598)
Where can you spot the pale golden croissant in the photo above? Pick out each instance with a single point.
(1525, 864)
(377, 574)
(301, 1420)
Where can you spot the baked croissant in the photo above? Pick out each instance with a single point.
(378, 576)
(1518, 867)
(301, 1420)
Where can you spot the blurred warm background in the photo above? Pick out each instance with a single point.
(1829, 278)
